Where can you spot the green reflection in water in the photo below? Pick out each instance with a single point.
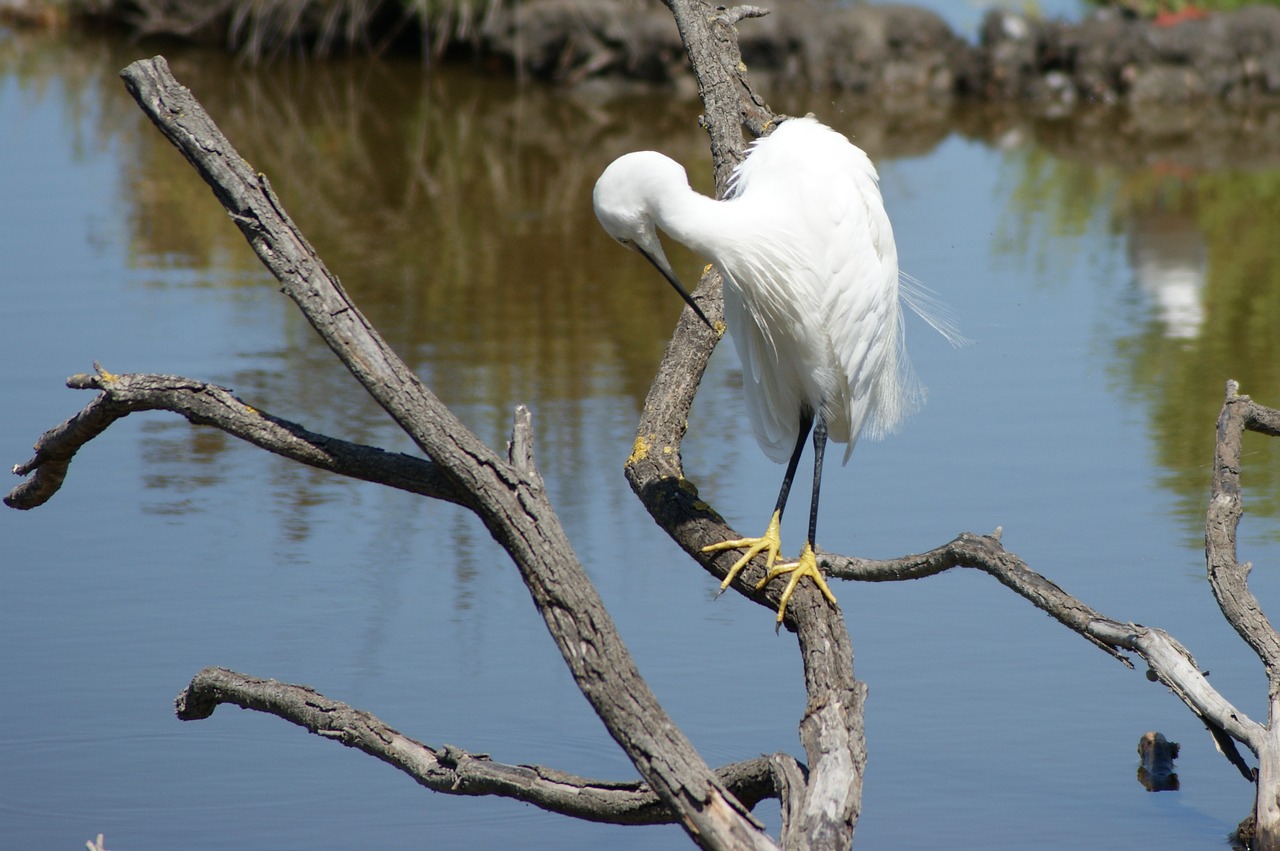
(455, 208)
(1181, 372)
(1205, 259)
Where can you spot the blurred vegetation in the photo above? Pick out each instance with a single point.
(290, 27)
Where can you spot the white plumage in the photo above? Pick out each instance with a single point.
(819, 280)
(811, 292)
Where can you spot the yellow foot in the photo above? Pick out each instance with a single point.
(806, 565)
(770, 543)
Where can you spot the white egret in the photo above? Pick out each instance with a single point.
(811, 297)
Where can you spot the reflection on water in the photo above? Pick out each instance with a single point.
(455, 208)
(440, 201)
(452, 207)
(1200, 230)
(1170, 262)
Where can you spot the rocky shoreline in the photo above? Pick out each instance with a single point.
(906, 51)
(893, 52)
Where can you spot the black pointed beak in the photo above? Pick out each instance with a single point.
(675, 282)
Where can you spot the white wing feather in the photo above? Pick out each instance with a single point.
(812, 299)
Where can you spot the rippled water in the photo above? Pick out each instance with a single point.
(1114, 271)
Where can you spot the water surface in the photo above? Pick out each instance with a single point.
(1113, 269)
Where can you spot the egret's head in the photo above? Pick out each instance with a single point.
(628, 199)
(624, 198)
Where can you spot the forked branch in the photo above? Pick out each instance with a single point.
(506, 493)
(1228, 577)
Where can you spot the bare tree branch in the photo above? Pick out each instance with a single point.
(1227, 577)
(280, 245)
(1230, 582)
(711, 41)
(454, 771)
(824, 812)
(1167, 660)
(738, 13)
(511, 502)
(656, 474)
(986, 553)
(208, 404)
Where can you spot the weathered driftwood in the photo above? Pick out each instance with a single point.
(507, 494)
(820, 801)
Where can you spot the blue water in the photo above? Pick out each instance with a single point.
(965, 16)
(171, 548)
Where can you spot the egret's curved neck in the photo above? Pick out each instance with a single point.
(699, 223)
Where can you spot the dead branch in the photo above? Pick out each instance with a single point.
(1227, 577)
(831, 731)
(454, 771)
(656, 474)
(208, 404)
(509, 498)
(1167, 660)
(1230, 582)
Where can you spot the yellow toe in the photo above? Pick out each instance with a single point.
(769, 543)
(806, 565)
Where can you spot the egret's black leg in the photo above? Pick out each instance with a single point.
(770, 543)
(806, 425)
(807, 564)
(819, 450)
